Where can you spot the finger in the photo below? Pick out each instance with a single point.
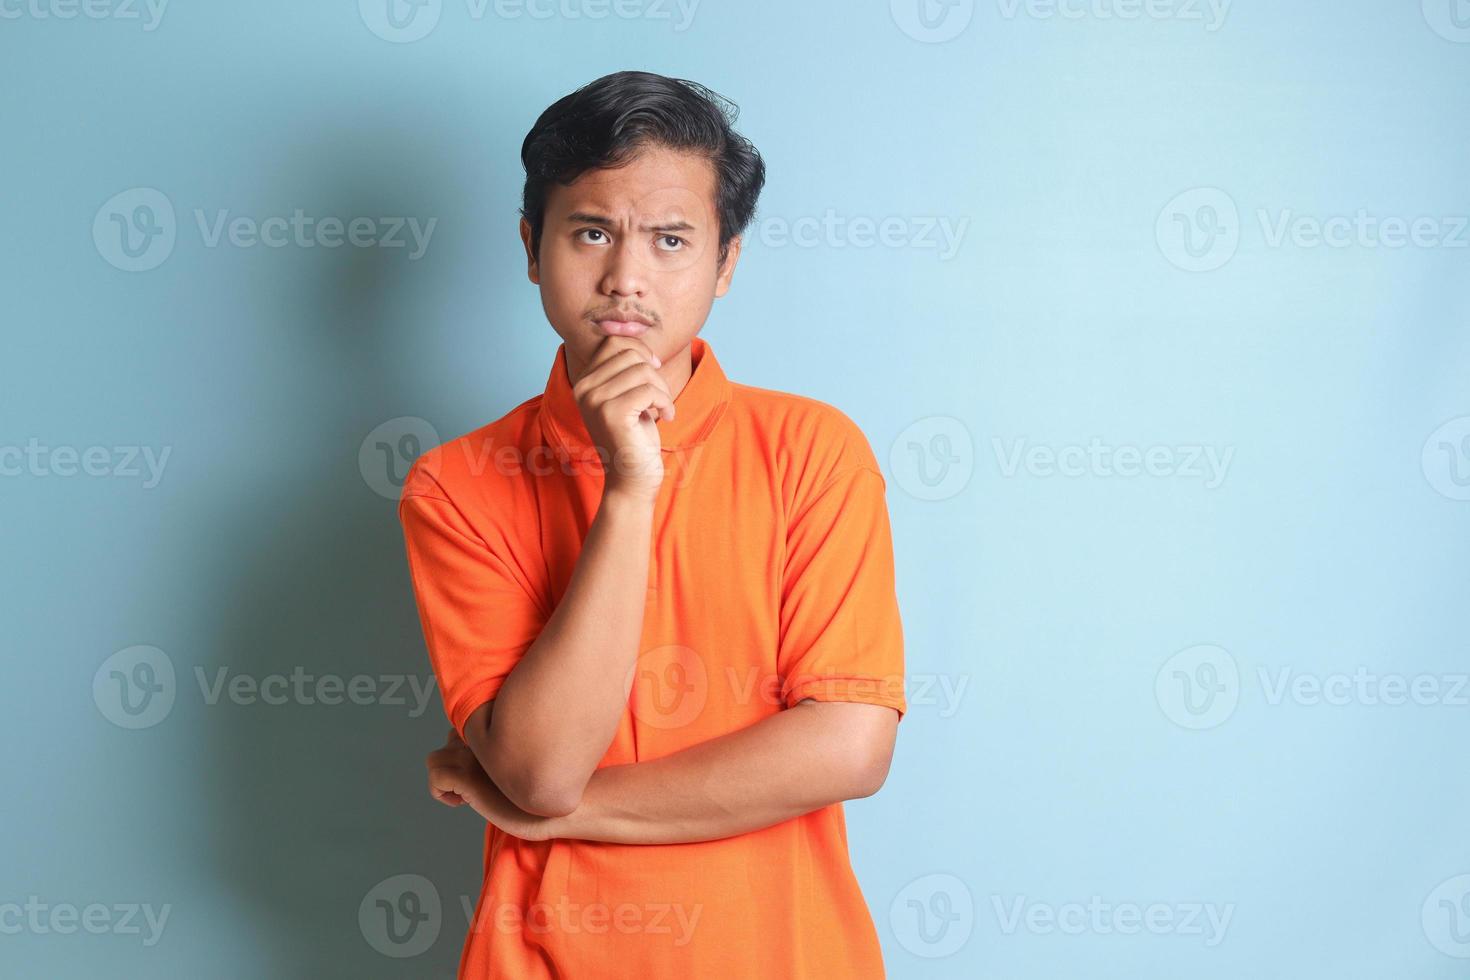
(447, 785)
(599, 373)
(616, 342)
(629, 378)
(643, 398)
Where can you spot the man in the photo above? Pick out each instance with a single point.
(659, 604)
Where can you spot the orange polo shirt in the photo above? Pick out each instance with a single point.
(770, 581)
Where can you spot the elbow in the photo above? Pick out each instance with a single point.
(868, 782)
(525, 781)
(545, 801)
(871, 771)
(539, 795)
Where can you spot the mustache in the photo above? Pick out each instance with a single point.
(632, 313)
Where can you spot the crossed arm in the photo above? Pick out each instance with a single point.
(528, 760)
(799, 760)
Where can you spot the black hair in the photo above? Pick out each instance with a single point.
(607, 121)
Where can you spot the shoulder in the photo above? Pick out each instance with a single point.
(816, 441)
(479, 465)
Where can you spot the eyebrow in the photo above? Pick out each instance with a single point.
(586, 217)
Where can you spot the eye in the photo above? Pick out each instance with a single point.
(672, 238)
(592, 231)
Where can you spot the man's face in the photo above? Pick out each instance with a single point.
(640, 241)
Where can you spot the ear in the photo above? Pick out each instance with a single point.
(727, 271)
(533, 268)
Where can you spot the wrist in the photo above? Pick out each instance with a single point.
(624, 498)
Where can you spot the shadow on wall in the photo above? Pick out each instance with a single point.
(314, 805)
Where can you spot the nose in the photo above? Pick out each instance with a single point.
(625, 274)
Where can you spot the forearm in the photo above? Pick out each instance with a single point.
(558, 710)
(783, 766)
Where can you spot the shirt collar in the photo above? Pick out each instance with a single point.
(699, 406)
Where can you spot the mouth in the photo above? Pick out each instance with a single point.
(634, 325)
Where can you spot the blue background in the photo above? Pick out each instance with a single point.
(1063, 612)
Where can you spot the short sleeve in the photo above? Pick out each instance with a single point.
(478, 617)
(841, 635)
